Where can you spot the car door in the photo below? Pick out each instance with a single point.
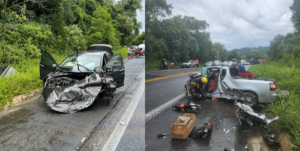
(118, 70)
(47, 64)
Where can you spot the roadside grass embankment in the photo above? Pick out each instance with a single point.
(154, 65)
(28, 77)
(287, 78)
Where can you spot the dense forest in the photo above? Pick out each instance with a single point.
(179, 37)
(287, 48)
(58, 25)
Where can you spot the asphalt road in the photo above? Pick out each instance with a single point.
(221, 114)
(33, 126)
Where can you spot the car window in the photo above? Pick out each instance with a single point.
(223, 74)
(115, 62)
(48, 59)
(87, 60)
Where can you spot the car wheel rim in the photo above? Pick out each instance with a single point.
(250, 99)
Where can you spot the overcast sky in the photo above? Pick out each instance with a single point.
(239, 23)
(141, 17)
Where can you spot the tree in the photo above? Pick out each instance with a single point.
(295, 8)
(221, 51)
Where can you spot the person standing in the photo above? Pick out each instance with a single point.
(128, 52)
(197, 64)
(241, 68)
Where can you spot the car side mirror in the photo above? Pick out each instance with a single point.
(54, 65)
(109, 69)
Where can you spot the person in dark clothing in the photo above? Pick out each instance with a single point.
(241, 68)
(162, 63)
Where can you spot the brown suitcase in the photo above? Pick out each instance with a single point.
(181, 130)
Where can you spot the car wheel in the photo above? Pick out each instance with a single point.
(138, 55)
(190, 66)
(250, 99)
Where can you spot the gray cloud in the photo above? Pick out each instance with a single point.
(239, 23)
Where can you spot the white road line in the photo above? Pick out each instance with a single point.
(161, 108)
(117, 134)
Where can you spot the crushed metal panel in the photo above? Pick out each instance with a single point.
(78, 96)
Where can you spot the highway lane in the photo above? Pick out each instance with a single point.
(221, 114)
(160, 91)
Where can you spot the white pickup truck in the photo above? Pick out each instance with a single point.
(250, 90)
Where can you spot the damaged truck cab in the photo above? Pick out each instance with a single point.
(228, 85)
(78, 80)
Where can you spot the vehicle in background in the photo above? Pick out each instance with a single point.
(259, 61)
(243, 62)
(208, 63)
(233, 87)
(252, 61)
(230, 63)
(225, 63)
(216, 63)
(142, 48)
(188, 64)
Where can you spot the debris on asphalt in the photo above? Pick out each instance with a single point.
(122, 123)
(189, 106)
(203, 131)
(182, 129)
(228, 131)
(270, 140)
(245, 112)
(246, 147)
(163, 134)
(214, 99)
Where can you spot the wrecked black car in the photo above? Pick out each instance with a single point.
(79, 79)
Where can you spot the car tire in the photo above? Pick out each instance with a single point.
(138, 55)
(250, 98)
(190, 66)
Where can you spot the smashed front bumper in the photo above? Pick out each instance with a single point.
(77, 96)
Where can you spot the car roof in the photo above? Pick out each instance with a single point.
(94, 52)
(101, 45)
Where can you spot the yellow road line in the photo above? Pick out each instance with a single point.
(170, 76)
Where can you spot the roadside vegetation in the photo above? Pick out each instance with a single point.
(286, 75)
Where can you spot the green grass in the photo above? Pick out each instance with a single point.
(122, 51)
(287, 78)
(154, 65)
(28, 77)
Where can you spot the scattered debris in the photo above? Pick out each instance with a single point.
(204, 131)
(214, 99)
(189, 106)
(245, 112)
(163, 134)
(246, 147)
(228, 131)
(270, 140)
(122, 123)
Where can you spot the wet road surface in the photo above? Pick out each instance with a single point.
(221, 114)
(33, 126)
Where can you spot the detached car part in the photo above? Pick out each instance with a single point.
(189, 106)
(245, 112)
(270, 140)
(203, 131)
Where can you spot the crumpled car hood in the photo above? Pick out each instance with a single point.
(78, 95)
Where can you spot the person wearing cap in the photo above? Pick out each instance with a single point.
(241, 68)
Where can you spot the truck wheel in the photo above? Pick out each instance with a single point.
(250, 99)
